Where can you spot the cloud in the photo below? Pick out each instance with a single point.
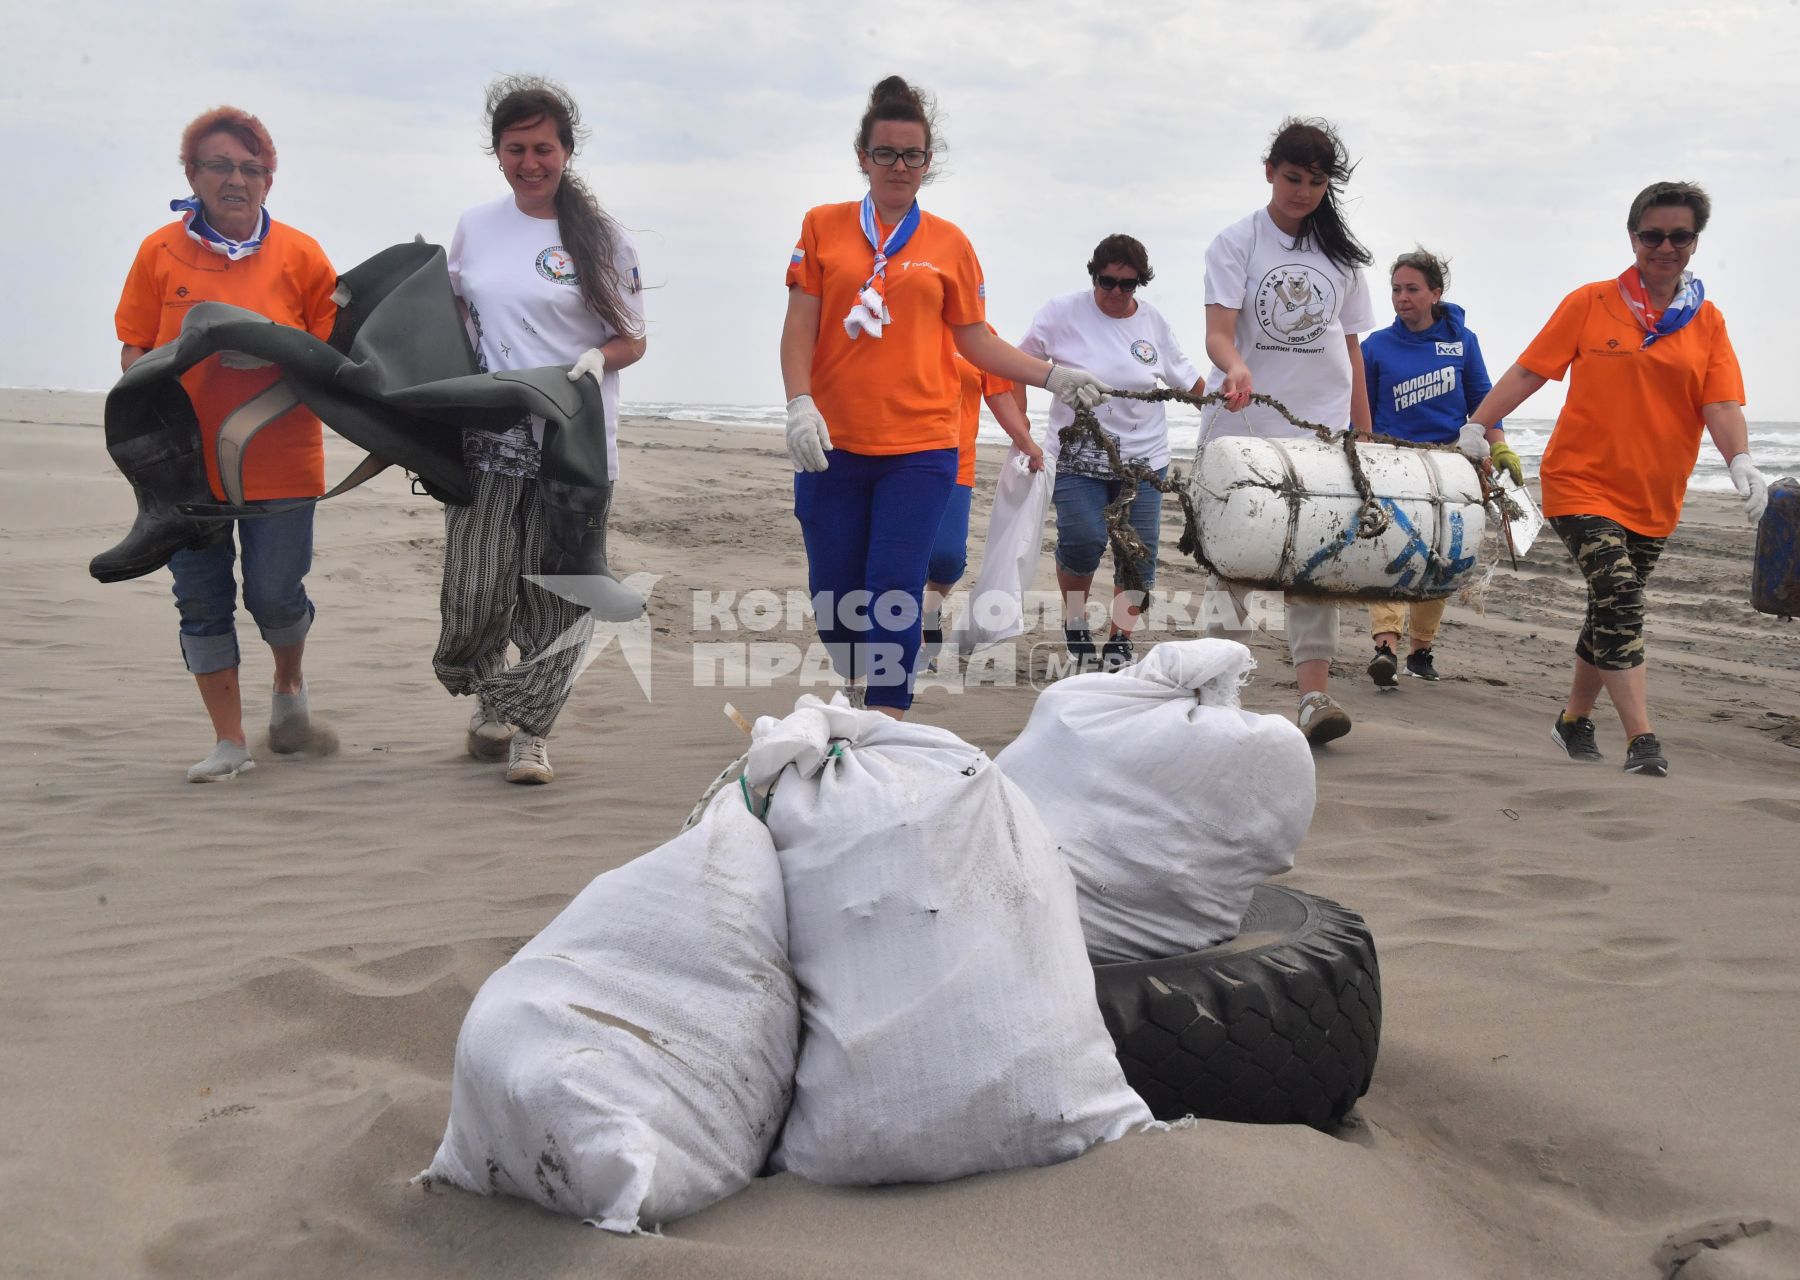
(1511, 137)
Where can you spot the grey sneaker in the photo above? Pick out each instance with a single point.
(488, 735)
(1321, 719)
(1644, 755)
(290, 722)
(1576, 738)
(227, 760)
(528, 760)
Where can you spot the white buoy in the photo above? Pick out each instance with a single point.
(1283, 514)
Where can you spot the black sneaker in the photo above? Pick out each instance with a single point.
(1382, 668)
(1081, 646)
(1576, 738)
(1645, 756)
(1116, 652)
(1419, 664)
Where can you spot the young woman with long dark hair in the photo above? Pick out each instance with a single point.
(545, 277)
(1285, 301)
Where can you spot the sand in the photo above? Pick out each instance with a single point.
(230, 1010)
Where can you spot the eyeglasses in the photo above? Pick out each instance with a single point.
(1652, 239)
(1128, 283)
(912, 158)
(252, 171)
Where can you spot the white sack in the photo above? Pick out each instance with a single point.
(1009, 558)
(1170, 808)
(634, 1060)
(951, 1025)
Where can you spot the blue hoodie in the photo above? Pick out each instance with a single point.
(1423, 386)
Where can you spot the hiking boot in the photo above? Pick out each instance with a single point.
(1420, 665)
(1576, 738)
(1080, 642)
(227, 760)
(528, 760)
(1644, 755)
(1321, 719)
(488, 734)
(1116, 652)
(1382, 668)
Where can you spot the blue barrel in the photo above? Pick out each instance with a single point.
(1775, 585)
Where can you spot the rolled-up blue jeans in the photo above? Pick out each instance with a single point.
(869, 523)
(277, 552)
(1081, 503)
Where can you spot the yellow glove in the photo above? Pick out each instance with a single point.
(1507, 460)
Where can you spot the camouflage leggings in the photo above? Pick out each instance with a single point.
(1616, 563)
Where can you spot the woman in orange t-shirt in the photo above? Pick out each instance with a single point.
(881, 297)
(1651, 364)
(227, 249)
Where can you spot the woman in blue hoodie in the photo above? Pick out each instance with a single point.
(1425, 376)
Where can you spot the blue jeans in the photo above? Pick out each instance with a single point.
(950, 553)
(277, 554)
(1081, 523)
(869, 523)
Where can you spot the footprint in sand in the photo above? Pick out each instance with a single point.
(1552, 888)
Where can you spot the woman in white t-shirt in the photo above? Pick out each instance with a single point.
(1285, 301)
(1125, 342)
(544, 277)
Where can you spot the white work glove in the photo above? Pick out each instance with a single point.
(1751, 487)
(1472, 443)
(807, 439)
(1076, 388)
(242, 360)
(591, 362)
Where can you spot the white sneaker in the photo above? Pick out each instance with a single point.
(1321, 719)
(227, 760)
(488, 735)
(529, 761)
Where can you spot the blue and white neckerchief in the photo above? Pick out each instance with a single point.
(193, 216)
(870, 312)
(1684, 307)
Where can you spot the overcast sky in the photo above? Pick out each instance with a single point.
(1509, 136)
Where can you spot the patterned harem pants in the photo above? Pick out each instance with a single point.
(485, 601)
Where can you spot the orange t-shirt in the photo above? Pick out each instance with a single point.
(898, 393)
(977, 386)
(1629, 433)
(290, 281)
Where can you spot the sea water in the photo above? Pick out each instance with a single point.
(1774, 445)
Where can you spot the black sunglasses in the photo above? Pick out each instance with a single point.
(1652, 239)
(1129, 283)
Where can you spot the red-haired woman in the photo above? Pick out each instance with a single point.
(545, 277)
(226, 248)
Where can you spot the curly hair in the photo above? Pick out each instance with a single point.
(1123, 249)
(588, 234)
(240, 124)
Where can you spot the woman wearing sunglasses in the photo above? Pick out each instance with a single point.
(881, 298)
(1649, 365)
(227, 249)
(1424, 374)
(1285, 301)
(1113, 331)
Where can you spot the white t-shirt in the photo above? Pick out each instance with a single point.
(1294, 307)
(525, 311)
(1128, 354)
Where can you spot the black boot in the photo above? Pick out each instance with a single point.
(575, 550)
(166, 468)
